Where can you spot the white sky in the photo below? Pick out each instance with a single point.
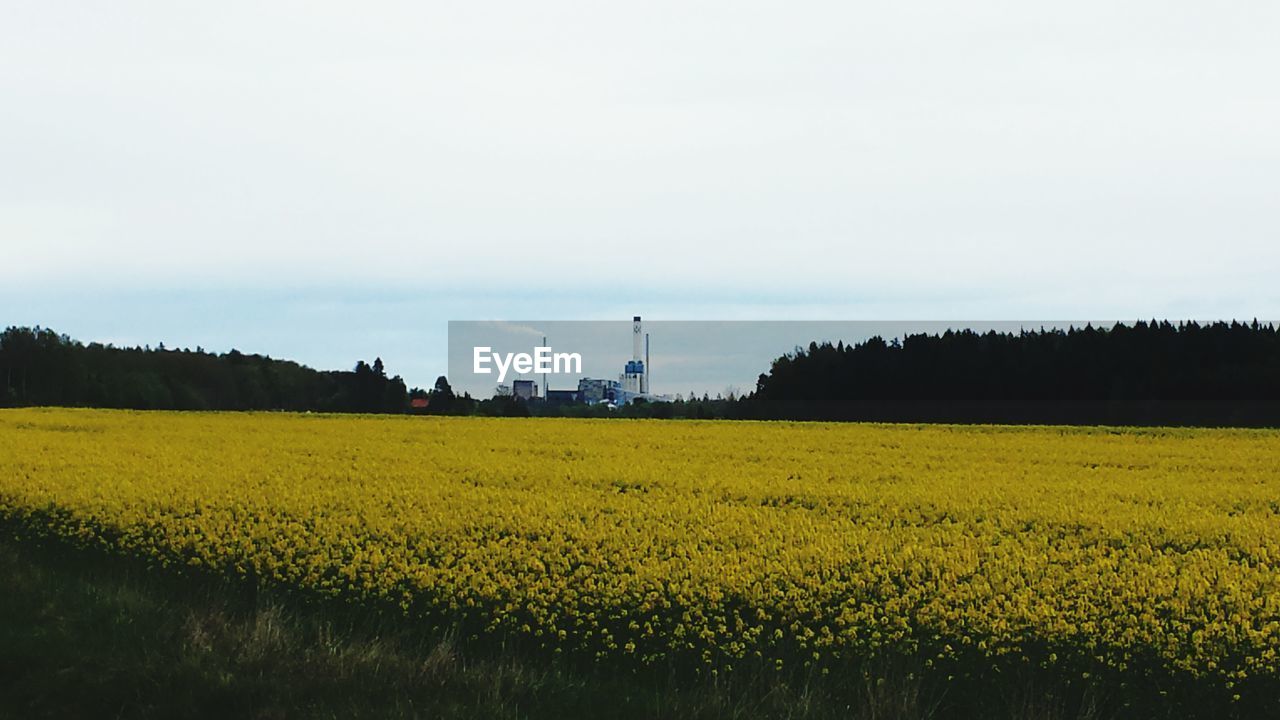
(714, 159)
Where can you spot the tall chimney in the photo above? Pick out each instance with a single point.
(635, 338)
(645, 389)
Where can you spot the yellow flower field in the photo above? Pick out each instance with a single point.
(709, 542)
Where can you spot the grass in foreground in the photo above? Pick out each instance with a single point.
(85, 636)
(82, 635)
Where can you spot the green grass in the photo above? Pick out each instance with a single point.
(85, 635)
(89, 636)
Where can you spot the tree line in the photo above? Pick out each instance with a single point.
(1145, 373)
(41, 367)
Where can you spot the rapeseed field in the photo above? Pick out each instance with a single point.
(712, 545)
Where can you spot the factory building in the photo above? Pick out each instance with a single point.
(593, 391)
(524, 389)
(632, 384)
(635, 376)
(562, 397)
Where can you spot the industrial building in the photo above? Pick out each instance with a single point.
(562, 397)
(632, 383)
(524, 389)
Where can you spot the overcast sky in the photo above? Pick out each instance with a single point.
(333, 181)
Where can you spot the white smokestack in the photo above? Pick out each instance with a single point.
(635, 338)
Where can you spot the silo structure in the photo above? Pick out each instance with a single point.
(633, 374)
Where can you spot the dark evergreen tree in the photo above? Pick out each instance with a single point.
(40, 367)
(1154, 373)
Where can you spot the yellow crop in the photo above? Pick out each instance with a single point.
(779, 543)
